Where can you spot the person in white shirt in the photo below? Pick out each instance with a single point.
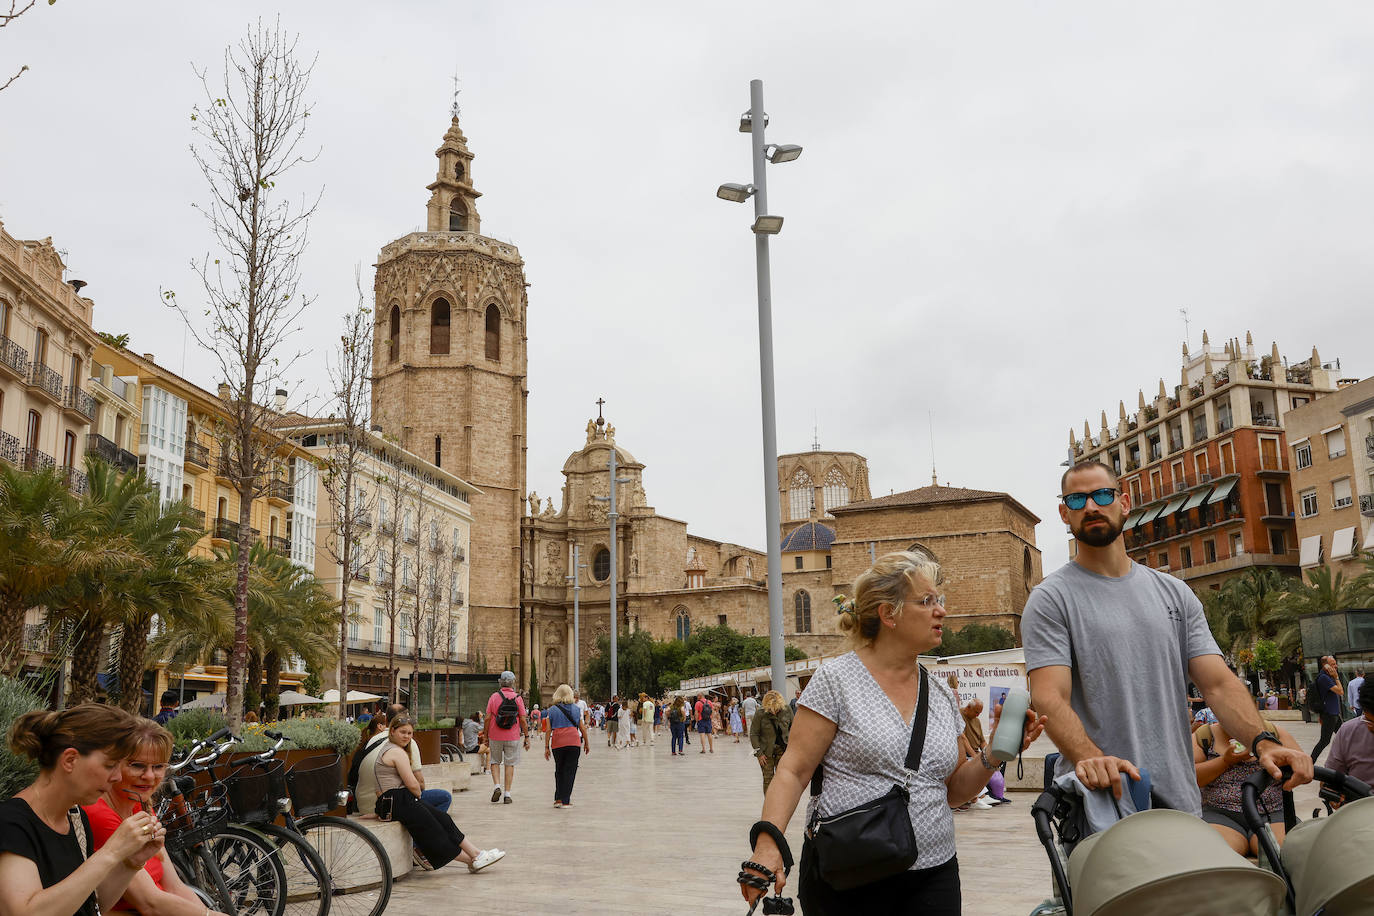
(582, 705)
(1352, 693)
(751, 706)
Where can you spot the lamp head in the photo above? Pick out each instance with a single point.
(785, 152)
(737, 193)
(768, 225)
(746, 122)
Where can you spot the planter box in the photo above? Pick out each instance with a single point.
(428, 743)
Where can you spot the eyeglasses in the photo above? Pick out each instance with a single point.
(930, 600)
(1103, 497)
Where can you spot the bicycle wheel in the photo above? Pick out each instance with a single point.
(307, 877)
(357, 862)
(251, 871)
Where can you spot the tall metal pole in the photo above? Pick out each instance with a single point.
(772, 512)
(615, 574)
(577, 587)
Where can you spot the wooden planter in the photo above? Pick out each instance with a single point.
(428, 743)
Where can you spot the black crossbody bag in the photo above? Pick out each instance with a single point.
(873, 840)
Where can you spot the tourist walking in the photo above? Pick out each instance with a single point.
(628, 716)
(613, 722)
(438, 841)
(704, 724)
(648, 710)
(750, 706)
(677, 725)
(768, 731)
(1110, 647)
(872, 721)
(507, 733)
(1329, 692)
(565, 738)
(48, 863)
(736, 723)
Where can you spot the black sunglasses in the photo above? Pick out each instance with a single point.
(1103, 497)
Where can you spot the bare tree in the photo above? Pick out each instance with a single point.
(422, 564)
(14, 13)
(247, 137)
(393, 504)
(346, 483)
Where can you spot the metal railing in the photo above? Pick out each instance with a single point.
(9, 448)
(1366, 504)
(362, 520)
(31, 459)
(73, 398)
(14, 356)
(74, 479)
(225, 530)
(362, 574)
(279, 544)
(457, 599)
(198, 515)
(36, 637)
(197, 454)
(110, 453)
(460, 554)
(1369, 445)
(48, 381)
(280, 488)
(408, 587)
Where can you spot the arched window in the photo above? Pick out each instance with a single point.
(802, 602)
(220, 505)
(34, 430)
(457, 212)
(1027, 568)
(458, 170)
(601, 565)
(922, 552)
(493, 332)
(836, 492)
(438, 327)
(438, 451)
(684, 624)
(800, 495)
(395, 338)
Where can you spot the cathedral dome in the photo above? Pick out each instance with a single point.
(810, 536)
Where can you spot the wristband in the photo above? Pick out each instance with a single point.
(1263, 736)
(772, 830)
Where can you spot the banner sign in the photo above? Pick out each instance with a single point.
(987, 682)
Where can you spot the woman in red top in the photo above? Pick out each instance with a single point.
(565, 739)
(156, 890)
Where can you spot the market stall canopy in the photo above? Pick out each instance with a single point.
(354, 696)
(295, 698)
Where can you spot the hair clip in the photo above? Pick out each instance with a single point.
(845, 605)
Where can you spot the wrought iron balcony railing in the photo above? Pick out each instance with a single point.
(48, 381)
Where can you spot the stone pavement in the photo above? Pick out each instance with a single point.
(652, 833)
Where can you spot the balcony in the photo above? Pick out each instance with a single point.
(1264, 420)
(279, 490)
(74, 479)
(31, 459)
(436, 545)
(386, 526)
(224, 467)
(14, 359)
(362, 575)
(383, 579)
(78, 402)
(46, 382)
(1272, 465)
(459, 553)
(408, 588)
(1369, 445)
(278, 544)
(411, 537)
(362, 520)
(457, 599)
(197, 455)
(102, 448)
(1366, 504)
(225, 530)
(9, 448)
(36, 637)
(198, 516)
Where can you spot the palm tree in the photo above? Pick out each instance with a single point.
(303, 625)
(1325, 591)
(37, 523)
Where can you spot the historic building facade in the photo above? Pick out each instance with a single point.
(449, 379)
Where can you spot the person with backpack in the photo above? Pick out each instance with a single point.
(768, 731)
(703, 711)
(612, 721)
(677, 725)
(565, 739)
(507, 732)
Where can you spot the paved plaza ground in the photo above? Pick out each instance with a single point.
(652, 833)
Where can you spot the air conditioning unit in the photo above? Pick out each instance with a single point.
(1204, 478)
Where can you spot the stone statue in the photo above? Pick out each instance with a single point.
(748, 567)
(548, 508)
(527, 570)
(610, 434)
(591, 431)
(634, 563)
(551, 666)
(534, 503)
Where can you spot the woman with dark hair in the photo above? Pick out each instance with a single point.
(49, 865)
(157, 889)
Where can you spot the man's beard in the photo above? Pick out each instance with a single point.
(1099, 535)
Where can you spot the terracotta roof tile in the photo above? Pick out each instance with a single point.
(923, 496)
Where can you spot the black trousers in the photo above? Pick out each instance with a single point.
(433, 831)
(564, 772)
(927, 891)
(1330, 724)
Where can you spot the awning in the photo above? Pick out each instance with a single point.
(1197, 499)
(1222, 491)
(1310, 554)
(1149, 514)
(1369, 539)
(294, 698)
(1132, 519)
(1343, 543)
(354, 696)
(1174, 505)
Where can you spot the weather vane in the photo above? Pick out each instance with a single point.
(456, 90)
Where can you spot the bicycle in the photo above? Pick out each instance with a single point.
(237, 871)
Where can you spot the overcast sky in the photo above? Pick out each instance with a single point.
(999, 212)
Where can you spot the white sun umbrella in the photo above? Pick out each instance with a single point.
(295, 698)
(354, 696)
(208, 701)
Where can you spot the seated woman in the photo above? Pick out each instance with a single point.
(438, 841)
(49, 865)
(156, 889)
(1221, 769)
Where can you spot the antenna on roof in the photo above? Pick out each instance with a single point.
(455, 109)
(1184, 313)
(930, 419)
(816, 431)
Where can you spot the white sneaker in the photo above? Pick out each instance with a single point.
(982, 803)
(485, 858)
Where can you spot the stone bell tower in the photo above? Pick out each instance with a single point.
(449, 380)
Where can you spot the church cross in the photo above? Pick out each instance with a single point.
(600, 402)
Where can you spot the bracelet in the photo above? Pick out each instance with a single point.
(987, 765)
(781, 841)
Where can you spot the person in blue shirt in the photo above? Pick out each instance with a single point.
(1330, 690)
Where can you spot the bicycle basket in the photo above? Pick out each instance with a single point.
(256, 792)
(207, 811)
(314, 785)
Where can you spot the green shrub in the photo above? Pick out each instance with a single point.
(16, 698)
(447, 723)
(190, 725)
(304, 735)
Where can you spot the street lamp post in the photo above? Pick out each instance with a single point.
(754, 122)
(577, 642)
(612, 515)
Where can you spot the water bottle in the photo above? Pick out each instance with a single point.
(1006, 743)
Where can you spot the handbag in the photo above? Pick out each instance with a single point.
(874, 840)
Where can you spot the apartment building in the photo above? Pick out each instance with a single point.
(1206, 467)
(46, 342)
(414, 525)
(1331, 444)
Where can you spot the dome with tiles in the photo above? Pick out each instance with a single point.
(810, 536)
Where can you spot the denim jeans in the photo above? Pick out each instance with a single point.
(679, 730)
(437, 798)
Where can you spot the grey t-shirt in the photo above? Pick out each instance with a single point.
(1128, 641)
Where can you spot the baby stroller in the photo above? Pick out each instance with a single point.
(1324, 863)
(1162, 861)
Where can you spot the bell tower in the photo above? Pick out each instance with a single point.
(450, 379)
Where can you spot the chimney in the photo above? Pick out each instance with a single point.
(279, 399)
(223, 391)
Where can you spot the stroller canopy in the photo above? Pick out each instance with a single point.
(1330, 864)
(1168, 862)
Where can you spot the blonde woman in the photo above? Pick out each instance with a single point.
(856, 720)
(768, 734)
(565, 739)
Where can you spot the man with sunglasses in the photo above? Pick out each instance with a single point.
(1110, 648)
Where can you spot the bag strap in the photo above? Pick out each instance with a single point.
(918, 735)
(74, 819)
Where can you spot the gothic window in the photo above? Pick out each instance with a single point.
(802, 602)
(438, 327)
(684, 624)
(438, 451)
(457, 214)
(493, 332)
(601, 565)
(836, 492)
(921, 552)
(800, 495)
(458, 170)
(395, 337)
